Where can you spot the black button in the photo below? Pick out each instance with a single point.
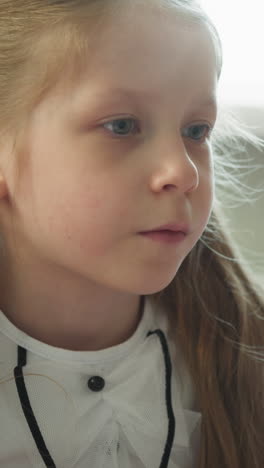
(96, 383)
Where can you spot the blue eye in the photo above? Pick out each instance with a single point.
(125, 126)
(199, 132)
(122, 126)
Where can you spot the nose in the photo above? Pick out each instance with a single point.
(175, 169)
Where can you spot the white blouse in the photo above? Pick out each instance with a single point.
(119, 407)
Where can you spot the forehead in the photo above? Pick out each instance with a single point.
(155, 53)
(153, 46)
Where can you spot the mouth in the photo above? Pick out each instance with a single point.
(165, 236)
(170, 228)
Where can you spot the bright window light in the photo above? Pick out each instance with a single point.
(241, 27)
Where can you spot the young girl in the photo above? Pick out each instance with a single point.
(130, 336)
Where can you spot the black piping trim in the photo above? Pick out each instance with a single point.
(26, 406)
(171, 417)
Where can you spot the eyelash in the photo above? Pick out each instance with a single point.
(199, 140)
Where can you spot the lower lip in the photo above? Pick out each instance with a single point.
(167, 237)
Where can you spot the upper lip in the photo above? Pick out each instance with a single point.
(176, 227)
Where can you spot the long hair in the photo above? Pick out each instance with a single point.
(214, 303)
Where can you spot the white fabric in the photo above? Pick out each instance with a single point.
(125, 425)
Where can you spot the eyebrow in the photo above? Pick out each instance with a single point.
(130, 93)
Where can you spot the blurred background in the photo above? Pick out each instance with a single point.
(241, 89)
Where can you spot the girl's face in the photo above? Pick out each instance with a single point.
(90, 185)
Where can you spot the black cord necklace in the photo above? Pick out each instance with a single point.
(95, 383)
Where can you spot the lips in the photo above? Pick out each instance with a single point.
(165, 237)
(171, 227)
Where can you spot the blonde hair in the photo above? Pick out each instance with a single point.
(214, 304)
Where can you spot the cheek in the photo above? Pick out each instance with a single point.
(209, 193)
(86, 219)
(203, 200)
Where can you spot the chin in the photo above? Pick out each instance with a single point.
(153, 285)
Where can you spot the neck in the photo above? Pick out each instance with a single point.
(68, 313)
